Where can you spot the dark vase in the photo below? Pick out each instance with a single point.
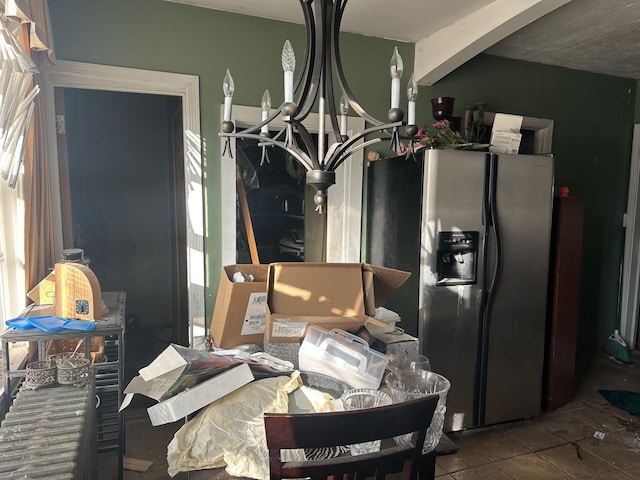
(456, 124)
(442, 108)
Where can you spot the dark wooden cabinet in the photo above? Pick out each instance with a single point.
(564, 301)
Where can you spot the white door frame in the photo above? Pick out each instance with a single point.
(631, 264)
(103, 77)
(344, 205)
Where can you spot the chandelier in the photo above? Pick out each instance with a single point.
(315, 85)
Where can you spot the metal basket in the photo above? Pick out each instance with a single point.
(40, 374)
(72, 369)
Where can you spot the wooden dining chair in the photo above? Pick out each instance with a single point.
(321, 430)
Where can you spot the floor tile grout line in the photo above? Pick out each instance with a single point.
(578, 447)
(500, 467)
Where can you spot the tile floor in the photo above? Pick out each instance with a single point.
(561, 444)
(557, 445)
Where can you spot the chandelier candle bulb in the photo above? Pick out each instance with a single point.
(396, 74)
(344, 111)
(227, 88)
(288, 66)
(321, 112)
(266, 108)
(412, 96)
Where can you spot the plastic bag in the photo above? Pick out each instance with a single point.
(230, 431)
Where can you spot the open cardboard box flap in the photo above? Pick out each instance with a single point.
(385, 281)
(331, 295)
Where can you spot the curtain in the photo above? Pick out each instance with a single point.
(40, 254)
(35, 14)
(39, 248)
(17, 94)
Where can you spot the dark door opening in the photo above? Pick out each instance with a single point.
(285, 226)
(126, 185)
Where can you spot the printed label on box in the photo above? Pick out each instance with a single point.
(255, 316)
(288, 329)
(505, 142)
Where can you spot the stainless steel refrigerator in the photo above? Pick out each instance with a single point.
(484, 267)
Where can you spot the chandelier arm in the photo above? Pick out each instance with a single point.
(308, 142)
(258, 126)
(309, 33)
(340, 152)
(360, 146)
(299, 155)
(353, 102)
(309, 78)
(331, 33)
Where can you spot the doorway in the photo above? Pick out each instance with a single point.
(630, 293)
(125, 187)
(137, 171)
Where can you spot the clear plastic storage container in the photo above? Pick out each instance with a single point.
(343, 356)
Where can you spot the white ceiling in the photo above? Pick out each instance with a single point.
(599, 36)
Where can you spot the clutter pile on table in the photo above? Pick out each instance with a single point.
(284, 337)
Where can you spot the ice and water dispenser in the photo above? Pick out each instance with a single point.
(457, 258)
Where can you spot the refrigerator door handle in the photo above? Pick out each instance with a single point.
(486, 205)
(479, 391)
(493, 224)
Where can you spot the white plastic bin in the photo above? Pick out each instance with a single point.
(343, 356)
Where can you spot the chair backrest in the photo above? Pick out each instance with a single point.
(321, 430)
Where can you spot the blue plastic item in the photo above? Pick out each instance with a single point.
(19, 323)
(80, 325)
(48, 323)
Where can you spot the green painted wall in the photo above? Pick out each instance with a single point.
(594, 114)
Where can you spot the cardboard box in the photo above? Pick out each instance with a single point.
(239, 313)
(193, 399)
(396, 342)
(330, 295)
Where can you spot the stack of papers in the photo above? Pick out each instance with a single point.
(505, 133)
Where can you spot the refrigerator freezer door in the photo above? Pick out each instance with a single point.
(452, 202)
(394, 194)
(517, 318)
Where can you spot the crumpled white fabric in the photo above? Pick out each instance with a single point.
(321, 401)
(230, 431)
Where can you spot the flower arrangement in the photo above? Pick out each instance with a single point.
(445, 137)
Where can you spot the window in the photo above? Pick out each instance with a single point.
(12, 275)
(18, 106)
(3, 273)
(17, 99)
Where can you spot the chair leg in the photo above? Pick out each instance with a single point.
(427, 469)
